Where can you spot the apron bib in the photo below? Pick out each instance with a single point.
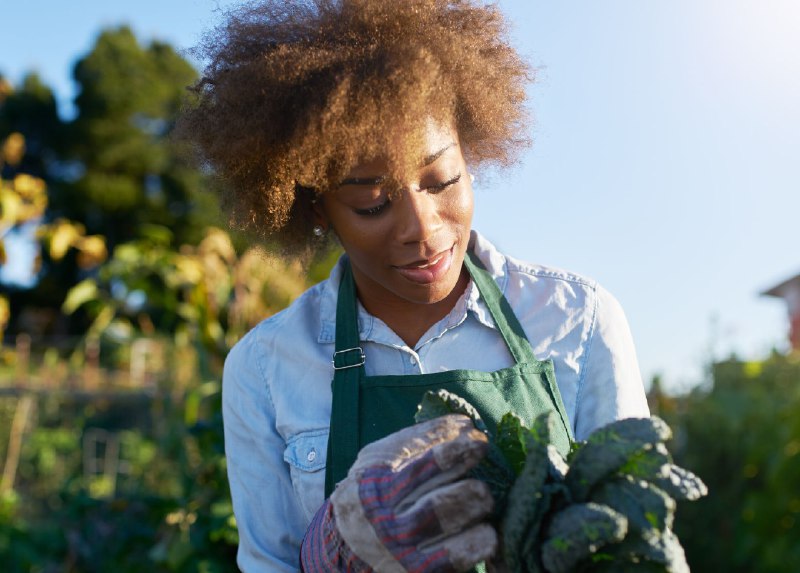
(367, 408)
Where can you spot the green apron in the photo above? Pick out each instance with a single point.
(367, 408)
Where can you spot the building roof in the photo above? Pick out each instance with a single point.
(782, 289)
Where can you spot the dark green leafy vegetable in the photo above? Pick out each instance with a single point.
(660, 550)
(631, 566)
(577, 532)
(510, 439)
(645, 506)
(609, 448)
(558, 467)
(441, 403)
(648, 464)
(682, 484)
(523, 517)
(553, 496)
(608, 507)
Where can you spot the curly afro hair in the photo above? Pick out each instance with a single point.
(297, 92)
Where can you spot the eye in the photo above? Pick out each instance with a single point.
(439, 187)
(373, 211)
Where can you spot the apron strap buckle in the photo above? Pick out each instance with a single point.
(340, 362)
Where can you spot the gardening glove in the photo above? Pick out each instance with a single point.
(405, 507)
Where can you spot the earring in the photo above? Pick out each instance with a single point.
(472, 178)
(318, 231)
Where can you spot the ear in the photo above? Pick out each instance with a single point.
(319, 212)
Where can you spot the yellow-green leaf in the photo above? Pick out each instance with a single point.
(81, 293)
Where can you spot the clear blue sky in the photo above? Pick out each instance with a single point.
(666, 157)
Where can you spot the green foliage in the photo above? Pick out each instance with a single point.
(645, 506)
(167, 511)
(532, 497)
(132, 173)
(441, 403)
(611, 448)
(743, 436)
(113, 169)
(30, 110)
(205, 295)
(575, 533)
(510, 439)
(604, 509)
(112, 180)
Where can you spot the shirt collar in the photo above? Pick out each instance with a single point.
(491, 258)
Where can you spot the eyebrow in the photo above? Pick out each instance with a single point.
(431, 158)
(380, 179)
(363, 181)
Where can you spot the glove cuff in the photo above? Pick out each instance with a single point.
(323, 550)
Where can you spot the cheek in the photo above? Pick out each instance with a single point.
(361, 238)
(461, 207)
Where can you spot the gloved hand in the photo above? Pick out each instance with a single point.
(403, 507)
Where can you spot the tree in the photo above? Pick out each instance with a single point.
(30, 111)
(130, 172)
(113, 171)
(23, 201)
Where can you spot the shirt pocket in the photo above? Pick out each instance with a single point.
(306, 454)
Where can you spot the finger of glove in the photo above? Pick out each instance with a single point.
(445, 511)
(402, 466)
(452, 508)
(398, 448)
(452, 448)
(385, 495)
(468, 548)
(457, 553)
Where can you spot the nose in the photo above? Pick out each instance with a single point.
(419, 217)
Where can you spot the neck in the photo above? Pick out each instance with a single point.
(411, 320)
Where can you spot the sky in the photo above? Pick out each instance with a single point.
(665, 161)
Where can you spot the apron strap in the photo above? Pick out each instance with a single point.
(509, 326)
(348, 369)
(501, 311)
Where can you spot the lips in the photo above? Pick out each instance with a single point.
(427, 271)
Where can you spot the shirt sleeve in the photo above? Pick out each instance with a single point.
(610, 386)
(270, 521)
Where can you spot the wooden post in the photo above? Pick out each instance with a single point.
(107, 464)
(140, 355)
(92, 364)
(23, 352)
(24, 406)
(111, 462)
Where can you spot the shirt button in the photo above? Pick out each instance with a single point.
(312, 455)
(413, 361)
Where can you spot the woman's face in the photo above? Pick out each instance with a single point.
(408, 247)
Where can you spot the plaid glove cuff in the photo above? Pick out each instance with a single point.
(323, 549)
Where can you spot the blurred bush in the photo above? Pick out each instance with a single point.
(164, 506)
(112, 441)
(741, 434)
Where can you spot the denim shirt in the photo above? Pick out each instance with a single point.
(277, 384)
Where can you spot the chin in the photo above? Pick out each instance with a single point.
(433, 293)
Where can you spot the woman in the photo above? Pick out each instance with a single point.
(360, 121)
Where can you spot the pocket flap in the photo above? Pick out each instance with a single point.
(307, 450)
